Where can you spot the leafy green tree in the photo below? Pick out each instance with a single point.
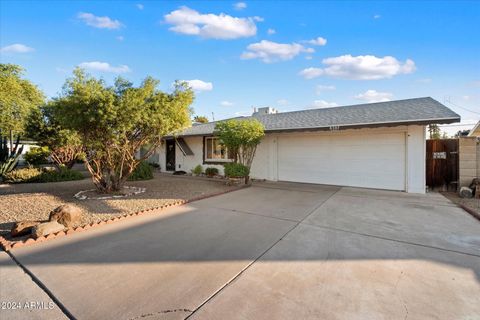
(18, 97)
(434, 131)
(114, 122)
(65, 145)
(200, 119)
(241, 138)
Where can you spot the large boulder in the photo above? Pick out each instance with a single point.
(23, 228)
(68, 215)
(46, 228)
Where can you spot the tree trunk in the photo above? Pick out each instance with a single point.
(11, 141)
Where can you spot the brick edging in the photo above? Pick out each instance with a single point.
(472, 212)
(7, 245)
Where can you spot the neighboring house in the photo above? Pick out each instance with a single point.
(475, 132)
(27, 146)
(376, 145)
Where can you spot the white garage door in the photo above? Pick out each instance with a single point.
(361, 160)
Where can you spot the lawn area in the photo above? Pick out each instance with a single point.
(34, 201)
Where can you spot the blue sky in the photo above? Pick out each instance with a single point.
(289, 55)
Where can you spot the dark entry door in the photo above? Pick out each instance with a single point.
(170, 155)
(442, 163)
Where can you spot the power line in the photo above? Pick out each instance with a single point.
(456, 105)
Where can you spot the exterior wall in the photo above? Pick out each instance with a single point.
(416, 161)
(265, 163)
(467, 160)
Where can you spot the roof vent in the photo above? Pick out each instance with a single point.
(264, 110)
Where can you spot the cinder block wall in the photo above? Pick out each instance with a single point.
(469, 167)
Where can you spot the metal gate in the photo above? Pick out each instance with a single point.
(442, 164)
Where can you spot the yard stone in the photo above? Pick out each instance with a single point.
(47, 228)
(23, 228)
(68, 215)
(466, 192)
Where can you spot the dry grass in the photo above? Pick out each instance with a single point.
(34, 201)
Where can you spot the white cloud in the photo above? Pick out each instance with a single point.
(360, 68)
(140, 6)
(374, 96)
(271, 31)
(310, 73)
(322, 88)
(99, 22)
(283, 102)
(120, 38)
(104, 67)
(16, 48)
(377, 16)
(323, 104)
(240, 5)
(199, 85)
(269, 51)
(424, 80)
(222, 26)
(308, 57)
(466, 98)
(226, 103)
(318, 41)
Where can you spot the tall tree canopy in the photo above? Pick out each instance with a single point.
(114, 122)
(18, 97)
(200, 119)
(44, 127)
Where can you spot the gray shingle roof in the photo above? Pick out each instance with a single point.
(417, 110)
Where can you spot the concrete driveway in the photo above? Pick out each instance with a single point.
(272, 251)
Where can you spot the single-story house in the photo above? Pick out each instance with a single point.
(475, 132)
(375, 145)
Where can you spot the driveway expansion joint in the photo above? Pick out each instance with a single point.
(42, 287)
(389, 239)
(238, 275)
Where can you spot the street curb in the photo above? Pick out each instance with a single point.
(8, 245)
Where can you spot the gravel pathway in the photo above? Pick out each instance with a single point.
(34, 201)
(472, 203)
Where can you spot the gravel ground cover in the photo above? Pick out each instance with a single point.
(34, 201)
(471, 203)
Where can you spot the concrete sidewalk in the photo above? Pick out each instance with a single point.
(273, 251)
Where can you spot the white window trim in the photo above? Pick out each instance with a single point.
(214, 159)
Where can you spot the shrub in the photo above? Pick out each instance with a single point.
(22, 175)
(236, 170)
(32, 174)
(197, 170)
(211, 171)
(36, 156)
(143, 171)
(63, 174)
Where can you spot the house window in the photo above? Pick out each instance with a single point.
(214, 151)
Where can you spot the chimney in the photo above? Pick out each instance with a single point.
(264, 110)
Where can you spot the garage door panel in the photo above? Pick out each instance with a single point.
(374, 161)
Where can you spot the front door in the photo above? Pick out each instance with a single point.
(170, 155)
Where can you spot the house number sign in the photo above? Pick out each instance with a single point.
(439, 155)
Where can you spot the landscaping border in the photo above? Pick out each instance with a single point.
(7, 245)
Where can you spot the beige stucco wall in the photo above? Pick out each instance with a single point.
(468, 160)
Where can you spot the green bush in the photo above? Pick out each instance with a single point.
(236, 170)
(143, 171)
(211, 171)
(36, 156)
(63, 174)
(197, 170)
(41, 175)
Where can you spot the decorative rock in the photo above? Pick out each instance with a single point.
(23, 228)
(47, 228)
(68, 215)
(465, 192)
